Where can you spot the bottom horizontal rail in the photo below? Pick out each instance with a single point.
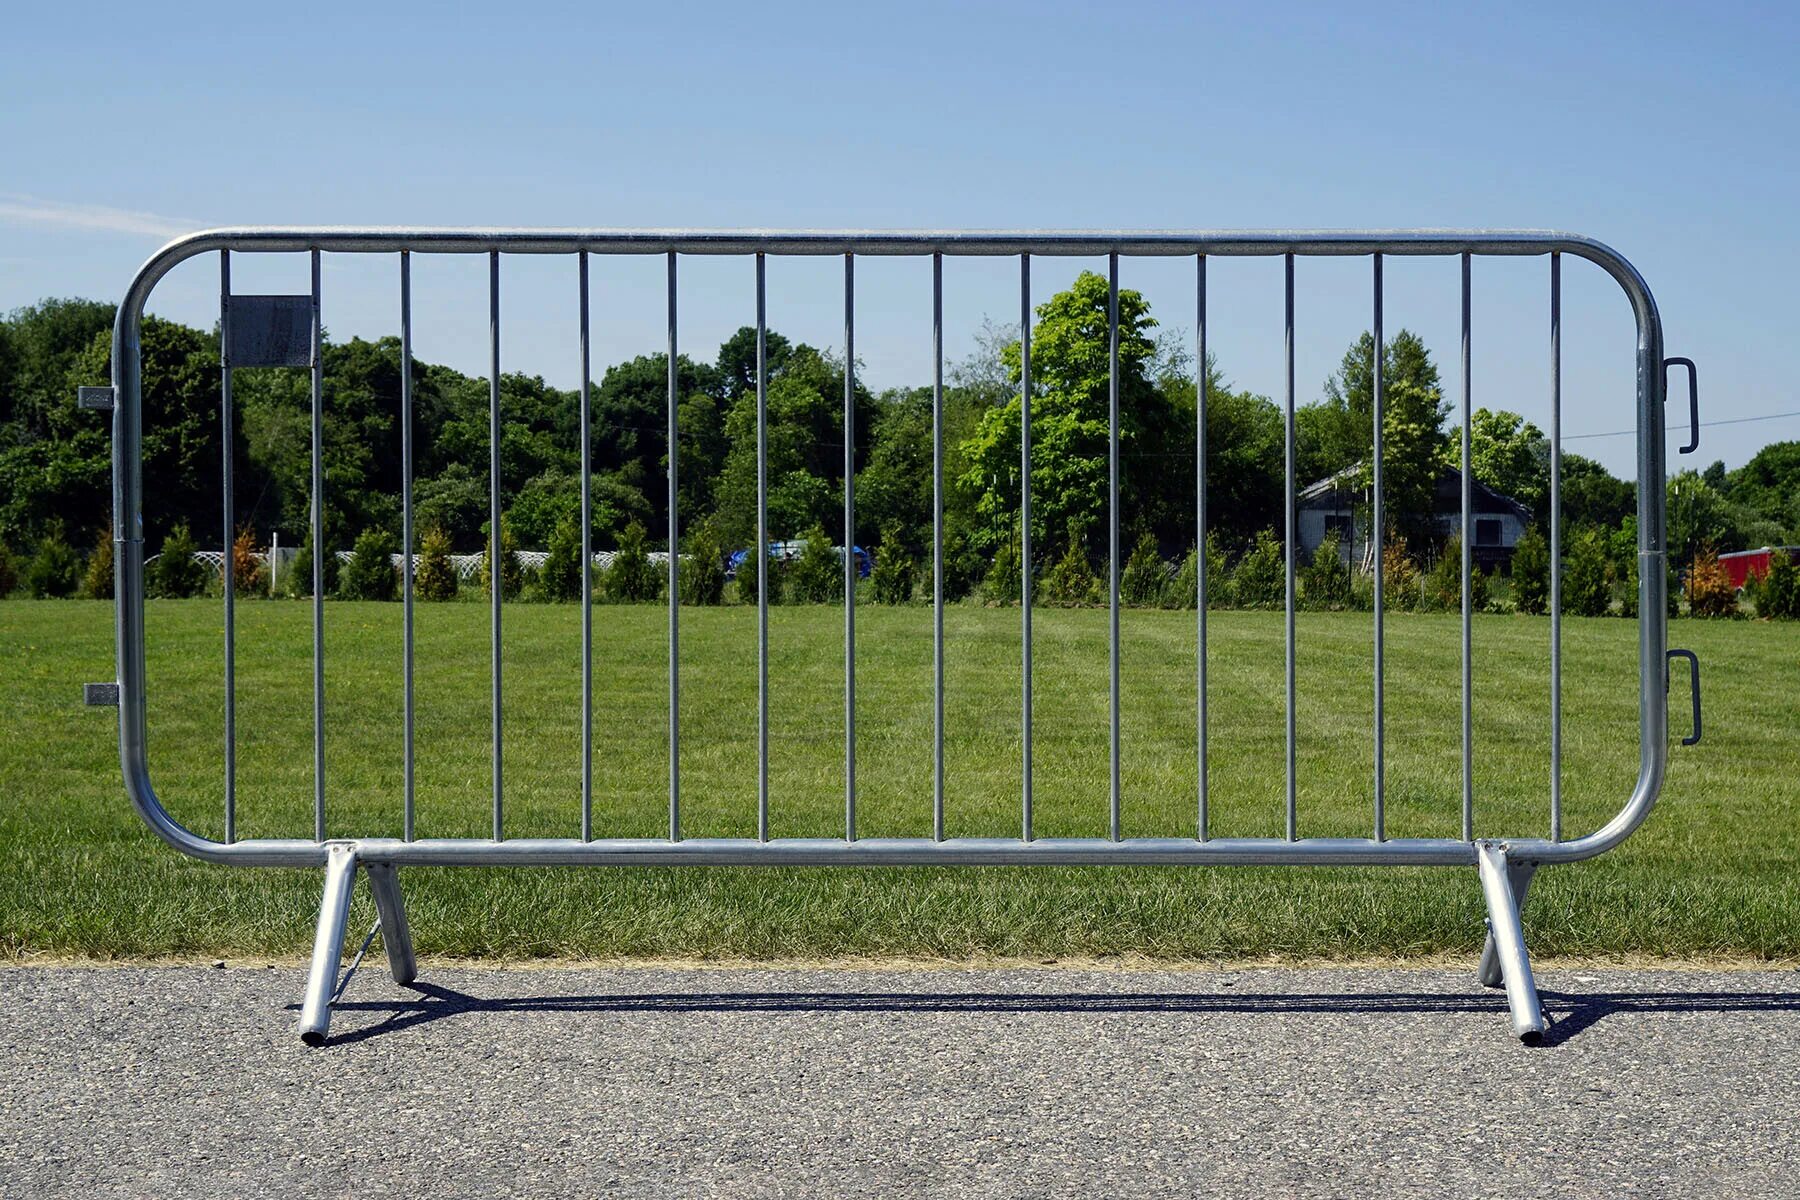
(876, 852)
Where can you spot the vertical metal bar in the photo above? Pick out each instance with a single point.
(1555, 547)
(587, 567)
(849, 547)
(937, 546)
(1378, 535)
(762, 551)
(1468, 493)
(1288, 517)
(1025, 535)
(406, 533)
(674, 455)
(318, 557)
(1112, 538)
(496, 543)
(1200, 398)
(228, 568)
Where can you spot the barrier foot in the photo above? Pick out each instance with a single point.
(328, 944)
(1519, 875)
(1509, 942)
(396, 938)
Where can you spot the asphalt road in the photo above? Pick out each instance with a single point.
(991, 1082)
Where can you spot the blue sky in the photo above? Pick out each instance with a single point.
(1668, 134)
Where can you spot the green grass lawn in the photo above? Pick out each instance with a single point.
(1712, 874)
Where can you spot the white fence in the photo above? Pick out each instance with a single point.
(466, 566)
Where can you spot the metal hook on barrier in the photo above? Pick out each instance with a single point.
(1693, 375)
(1694, 685)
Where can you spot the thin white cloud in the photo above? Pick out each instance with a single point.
(16, 209)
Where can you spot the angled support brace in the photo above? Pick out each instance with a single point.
(1520, 876)
(328, 944)
(396, 938)
(1509, 942)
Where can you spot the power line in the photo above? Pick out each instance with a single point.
(1683, 425)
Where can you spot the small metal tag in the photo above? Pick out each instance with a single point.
(100, 398)
(100, 695)
(269, 331)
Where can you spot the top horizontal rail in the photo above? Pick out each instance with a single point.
(972, 243)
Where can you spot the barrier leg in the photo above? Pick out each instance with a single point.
(328, 944)
(1509, 943)
(1519, 875)
(384, 883)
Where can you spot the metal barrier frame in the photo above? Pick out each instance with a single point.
(1504, 865)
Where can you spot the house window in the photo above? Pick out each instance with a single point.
(1487, 531)
(1338, 525)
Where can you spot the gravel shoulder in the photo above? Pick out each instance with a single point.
(1016, 1081)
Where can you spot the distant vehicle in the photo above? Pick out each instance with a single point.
(789, 551)
(1740, 565)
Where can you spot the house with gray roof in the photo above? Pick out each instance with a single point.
(1340, 505)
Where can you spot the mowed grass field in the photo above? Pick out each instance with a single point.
(1712, 874)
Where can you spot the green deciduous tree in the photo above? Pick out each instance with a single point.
(1070, 364)
(1590, 495)
(1512, 456)
(54, 458)
(1768, 487)
(1337, 434)
(1698, 516)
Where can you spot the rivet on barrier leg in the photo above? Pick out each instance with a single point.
(1521, 874)
(384, 884)
(1509, 943)
(328, 943)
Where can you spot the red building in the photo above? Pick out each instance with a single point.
(1740, 565)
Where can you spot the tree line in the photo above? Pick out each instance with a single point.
(55, 466)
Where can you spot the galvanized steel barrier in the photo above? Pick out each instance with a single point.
(286, 330)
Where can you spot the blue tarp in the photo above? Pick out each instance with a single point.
(789, 551)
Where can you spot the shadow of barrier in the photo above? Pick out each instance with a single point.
(1568, 1014)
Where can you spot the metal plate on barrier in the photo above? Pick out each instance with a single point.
(270, 331)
